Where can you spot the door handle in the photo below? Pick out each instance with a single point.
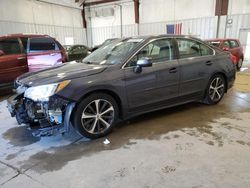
(209, 63)
(173, 70)
(20, 58)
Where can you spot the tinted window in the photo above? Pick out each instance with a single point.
(189, 48)
(226, 44)
(10, 46)
(205, 50)
(42, 44)
(234, 44)
(157, 51)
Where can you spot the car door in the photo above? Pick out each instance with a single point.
(196, 65)
(139, 87)
(43, 52)
(167, 70)
(13, 61)
(154, 84)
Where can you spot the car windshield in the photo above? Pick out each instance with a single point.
(67, 47)
(112, 53)
(108, 41)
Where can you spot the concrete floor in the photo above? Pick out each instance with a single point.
(192, 145)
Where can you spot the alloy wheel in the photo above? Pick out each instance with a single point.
(97, 116)
(216, 89)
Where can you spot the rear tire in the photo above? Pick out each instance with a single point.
(96, 115)
(239, 64)
(215, 90)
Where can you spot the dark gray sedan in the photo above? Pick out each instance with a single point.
(123, 79)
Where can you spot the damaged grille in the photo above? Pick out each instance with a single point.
(50, 112)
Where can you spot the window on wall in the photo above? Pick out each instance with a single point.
(42, 44)
(190, 48)
(10, 46)
(157, 51)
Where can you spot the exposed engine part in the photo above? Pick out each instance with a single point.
(48, 118)
(21, 115)
(55, 116)
(34, 109)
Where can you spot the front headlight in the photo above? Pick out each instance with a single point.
(43, 92)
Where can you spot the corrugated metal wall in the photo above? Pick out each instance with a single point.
(201, 27)
(59, 32)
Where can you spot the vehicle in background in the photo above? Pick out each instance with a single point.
(106, 42)
(231, 45)
(123, 79)
(76, 52)
(20, 53)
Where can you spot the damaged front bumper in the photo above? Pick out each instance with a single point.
(48, 117)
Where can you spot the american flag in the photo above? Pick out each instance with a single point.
(174, 28)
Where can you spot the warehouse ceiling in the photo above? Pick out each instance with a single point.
(93, 2)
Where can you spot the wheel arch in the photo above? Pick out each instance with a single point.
(216, 73)
(108, 92)
(224, 76)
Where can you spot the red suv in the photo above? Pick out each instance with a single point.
(231, 45)
(20, 53)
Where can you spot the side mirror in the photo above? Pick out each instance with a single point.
(1, 52)
(142, 63)
(225, 48)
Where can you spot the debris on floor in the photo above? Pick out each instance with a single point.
(106, 141)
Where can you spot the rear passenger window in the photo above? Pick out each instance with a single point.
(189, 48)
(233, 44)
(10, 46)
(42, 44)
(205, 50)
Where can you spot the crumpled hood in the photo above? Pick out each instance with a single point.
(66, 71)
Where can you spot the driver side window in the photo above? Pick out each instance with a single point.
(157, 51)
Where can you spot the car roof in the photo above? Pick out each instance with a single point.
(23, 35)
(220, 39)
(149, 37)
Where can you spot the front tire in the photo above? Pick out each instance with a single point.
(96, 115)
(215, 90)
